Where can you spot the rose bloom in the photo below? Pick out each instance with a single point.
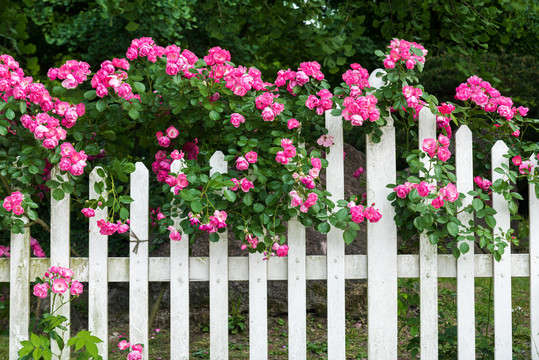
(242, 163)
(236, 119)
(59, 286)
(251, 157)
(41, 290)
(76, 288)
(246, 185)
(293, 123)
(282, 251)
(123, 345)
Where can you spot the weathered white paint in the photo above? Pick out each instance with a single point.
(465, 263)
(179, 288)
(219, 281)
(138, 259)
(335, 244)
(428, 282)
(502, 269)
(382, 245)
(297, 301)
(258, 307)
(19, 316)
(534, 268)
(60, 256)
(97, 276)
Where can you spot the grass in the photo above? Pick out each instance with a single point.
(356, 329)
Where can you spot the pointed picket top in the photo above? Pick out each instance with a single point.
(499, 148)
(218, 163)
(97, 278)
(463, 133)
(376, 81)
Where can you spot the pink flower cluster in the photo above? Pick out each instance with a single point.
(359, 213)
(164, 140)
(110, 76)
(443, 121)
(524, 167)
(358, 172)
(322, 104)
(412, 96)
(251, 240)
(46, 128)
(158, 215)
(236, 120)
(73, 73)
(240, 80)
(136, 350)
(300, 77)
(161, 167)
(58, 280)
(144, 47)
(216, 221)
(288, 152)
(88, 212)
(357, 110)
(174, 234)
(446, 193)
(71, 160)
(357, 79)
(488, 98)
(304, 206)
(109, 228)
(4, 251)
(36, 248)
(245, 184)
(270, 109)
(178, 60)
(401, 50)
(280, 250)
(483, 184)
(437, 148)
(13, 203)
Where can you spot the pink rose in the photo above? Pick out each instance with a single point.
(236, 119)
(401, 191)
(268, 114)
(292, 124)
(174, 234)
(88, 212)
(524, 168)
(59, 286)
(444, 153)
(281, 158)
(357, 214)
(246, 185)
(372, 214)
(251, 157)
(358, 172)
(236, 184)
(423, 189)
(76, 288)
(123, 345)
(430, 146)
(242, 163)
(451, 193)
(316, 163)
(134, 355)
(41, 290)
(18, 210)
(282, 251)
(517, 160)
(172, 132)
(312, 102)
(437, 203)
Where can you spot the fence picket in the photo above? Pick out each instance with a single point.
(502, 269)
(428, 266)
(335, 244)
(258, 307)
(179, 288)
(60, 243)
(97, 277)
(219, 281)
(138, 259)
(382, 245)
(534, 268)
(19, 274)
(297, 301)
(465, 263)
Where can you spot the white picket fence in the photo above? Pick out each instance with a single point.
(381, 267)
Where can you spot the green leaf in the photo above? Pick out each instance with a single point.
(186, 195)
(418, 223)
(124, 214)
(229, 195)
(67, 187)
(196, 206)
(10, 114)
(3, 130)
(349, 235)
(100, 105)
(323, 227)
(452, 228)
(125, 199)
(90, 95)
(214, 115)
(23, 107)
(37, 353)
(132, 26)
(491, 221)
(134, 114)
(258, 207)
(58, 194)
(248, 199)
(464, 247)
(342, 214)
(477, 204)
(140, 87)
(36, 341)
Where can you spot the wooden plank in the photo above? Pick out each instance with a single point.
(465, 263)
(60, 250)
(502, 269)
(219, 281)
(19, 292)
(258, 307)
(138, 259)
(179, 288)
(297, 300)
(534, 267)
(428, 266)
(382, 244)
(335, 244)
(98, 300)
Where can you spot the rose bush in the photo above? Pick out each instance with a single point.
(271, 134)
